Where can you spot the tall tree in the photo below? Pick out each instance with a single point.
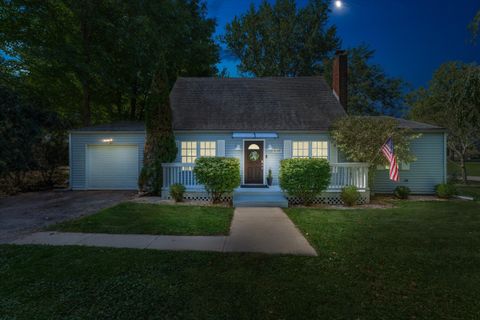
(94, 60)
(370, 90)
(475, 25)
(452, 100)
(281, 39)
(160, 144)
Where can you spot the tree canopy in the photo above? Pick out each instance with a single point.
(452, 100)
(370, 90)
(360, 139)
(282, 39)
(475, 25)
(94, 60)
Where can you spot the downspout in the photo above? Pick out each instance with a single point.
(70, 187)
(445, 157)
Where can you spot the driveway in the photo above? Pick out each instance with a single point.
(28, 212)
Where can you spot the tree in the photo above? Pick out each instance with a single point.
(94, 60)
(360, 139)
(282, 40)
(19, 131)
(370, 90)
(475, 25)
(452, 101)
(160, 144)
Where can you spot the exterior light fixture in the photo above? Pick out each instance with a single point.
(237, 148)
(109, 140)
(269, 148)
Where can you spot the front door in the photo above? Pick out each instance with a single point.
(253, 162)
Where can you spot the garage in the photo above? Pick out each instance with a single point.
(106, 157)
(112, 167)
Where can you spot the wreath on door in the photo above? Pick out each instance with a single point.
(253, 156)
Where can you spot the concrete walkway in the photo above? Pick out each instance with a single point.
(473, 178)
(263, 230)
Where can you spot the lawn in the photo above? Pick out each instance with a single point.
(141, 218)
(473, 168)
(472, 190)
(417, 261)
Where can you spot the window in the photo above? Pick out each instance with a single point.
(253, 146)
(207, 148)
(300, 149)
(320, 149)
(189, 151)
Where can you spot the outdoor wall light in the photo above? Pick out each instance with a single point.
(109, 140)
(237, 148)
(269, 148)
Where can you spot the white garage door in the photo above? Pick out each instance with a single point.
(112, 167)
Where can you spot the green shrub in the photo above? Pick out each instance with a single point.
(402, 192)
(176, 191)
(445, 190)
(304, 178)
(350, 195)
(219, 175)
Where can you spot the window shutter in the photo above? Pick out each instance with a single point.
(287, 149)
(220, 148)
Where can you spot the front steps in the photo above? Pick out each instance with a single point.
(259, 197)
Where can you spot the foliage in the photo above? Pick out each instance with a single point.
(350, 195)
(370, 90)
(304, 178)
(219, 175)
(160, 144)
(402, 192)
(281, 39)
(452, 101)
(445, 190)
(475, 25)
(176, 191)
(51, 151)
(20, 128)
(360, 138)
(94, 60)
(146, 218)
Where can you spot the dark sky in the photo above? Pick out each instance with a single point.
(411, 38)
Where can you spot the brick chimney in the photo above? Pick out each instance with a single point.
(340, 76)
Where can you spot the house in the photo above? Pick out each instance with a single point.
(260, 121)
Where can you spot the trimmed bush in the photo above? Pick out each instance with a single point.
(219, 175)
(445, 190)
(350, 195)
(304, 178)
(402, 192)
(176, 192)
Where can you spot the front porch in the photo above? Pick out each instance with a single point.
(343, 174)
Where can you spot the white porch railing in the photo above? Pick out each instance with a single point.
(343, 174)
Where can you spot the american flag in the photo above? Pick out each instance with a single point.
(387, 150)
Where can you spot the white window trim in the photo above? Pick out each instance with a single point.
(310, 149)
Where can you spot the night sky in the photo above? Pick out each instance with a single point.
(411, 38)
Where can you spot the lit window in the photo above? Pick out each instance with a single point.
(253, 146)
(189, 151)
(207, 148)
(300, 149)
(320, 149)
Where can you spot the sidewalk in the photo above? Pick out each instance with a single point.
(263, 230)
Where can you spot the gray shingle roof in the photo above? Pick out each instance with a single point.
(254, 104)
(414, 125)
(126, 126)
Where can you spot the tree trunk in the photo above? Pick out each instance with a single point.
(87, 116)
(133, 101)
(463, 168)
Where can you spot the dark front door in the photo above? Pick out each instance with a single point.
(253, 162)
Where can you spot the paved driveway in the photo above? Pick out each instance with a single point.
(28, 212)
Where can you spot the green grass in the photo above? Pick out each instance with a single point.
(473, 168)
(471, 190)
(140, 218)
(418, 261)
